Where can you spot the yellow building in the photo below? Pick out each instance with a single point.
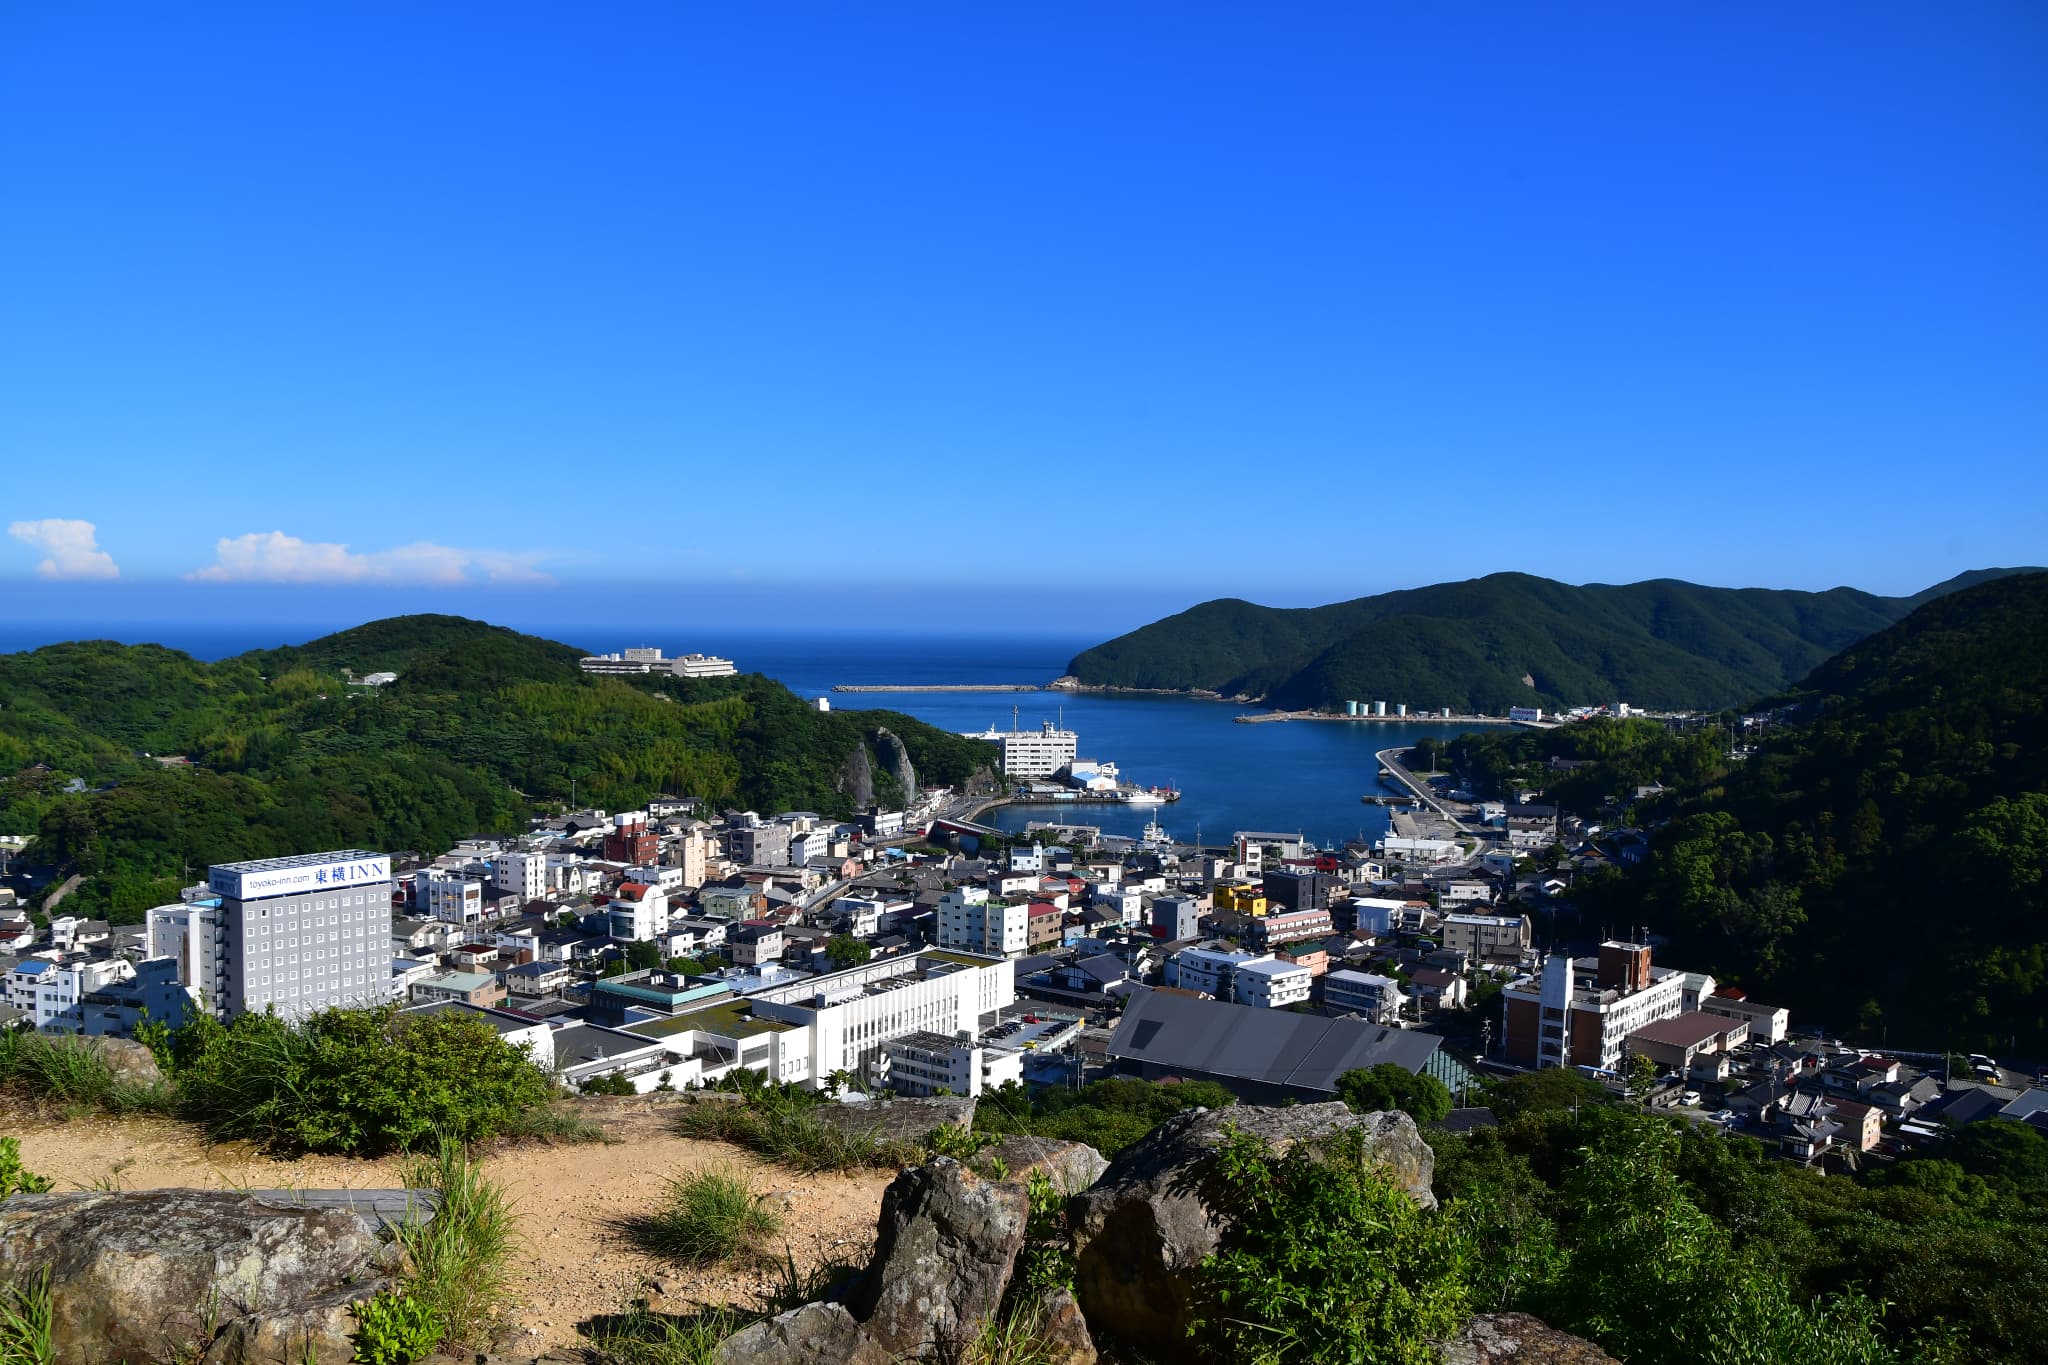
(1243, 898)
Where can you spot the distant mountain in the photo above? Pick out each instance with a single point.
(1507, 640)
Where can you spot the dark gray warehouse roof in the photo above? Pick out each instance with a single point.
(1273, 1047)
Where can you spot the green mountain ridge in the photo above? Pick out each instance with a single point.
(1485, 644)
(483, 728)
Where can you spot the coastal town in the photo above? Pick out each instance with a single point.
(921, 952)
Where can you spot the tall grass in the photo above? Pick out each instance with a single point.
(69, 1071)
(456, 1260)
(25, 1322)
(710, 1217)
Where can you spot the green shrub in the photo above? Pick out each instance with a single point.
(710, 1217)
(13, 1176)
(393, 1328)
(607, 1085)
(456, 1260)
(1107, 1115)
(1328, 1260)
(958, 1141)
(355, 1081)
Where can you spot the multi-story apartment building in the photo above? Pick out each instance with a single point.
(1271, 984)
(756, 943)
(1378, 998)
(1297, 888)
(520, 874)
(450, 896)
(970, 922)
(765, 845)
(637, 912)
(1212, 971)
(631, 839)
(1289, 926)
(1497, 938)
(841, 1021)
(1577, 1013)
(295, 934)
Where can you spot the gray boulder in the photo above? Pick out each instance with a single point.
(144, 1275)
(131, 1062)
(1071, 1166)
(1142, 1232)
(815, 1334)
(900, 1120)
(1063, 1332)
(1518, 1339)
(945, 1245)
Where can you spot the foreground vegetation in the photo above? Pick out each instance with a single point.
(483, 728)
(353, 1082)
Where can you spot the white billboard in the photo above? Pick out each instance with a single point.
(253, 882)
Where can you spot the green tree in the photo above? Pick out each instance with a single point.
(1390, 1086)
(642, 957)
(844, 950)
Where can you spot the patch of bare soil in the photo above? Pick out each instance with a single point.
(573, 1263)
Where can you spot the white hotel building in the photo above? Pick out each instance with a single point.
(296, 935)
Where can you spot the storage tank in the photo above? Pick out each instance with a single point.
(1379, 708)
(1401, 709)
(1350, 708)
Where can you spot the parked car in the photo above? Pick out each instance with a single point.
(1690, 1098)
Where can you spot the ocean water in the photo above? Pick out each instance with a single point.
(1296, 776)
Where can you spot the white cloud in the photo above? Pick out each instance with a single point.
(274, 557)
(72, 548)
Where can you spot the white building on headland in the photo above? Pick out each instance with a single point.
(647, 659)
(1034, 753)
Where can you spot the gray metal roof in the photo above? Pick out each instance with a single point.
(1276, 1047)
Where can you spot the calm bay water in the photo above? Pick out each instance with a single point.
(1299, 776)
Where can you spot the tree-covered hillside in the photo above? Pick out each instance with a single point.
(483, 727)
(1885, 861)
(1504, 640)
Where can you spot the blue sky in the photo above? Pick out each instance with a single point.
(1058, 315)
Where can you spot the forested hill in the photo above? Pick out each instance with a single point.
(1507, 640)
(483, 727)
(1884, 862)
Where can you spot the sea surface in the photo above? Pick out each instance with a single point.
(1303, 777)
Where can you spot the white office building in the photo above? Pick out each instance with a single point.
(703, 666)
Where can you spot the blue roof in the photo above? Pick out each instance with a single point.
(35, 966)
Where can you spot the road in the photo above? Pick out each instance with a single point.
(1421, 789)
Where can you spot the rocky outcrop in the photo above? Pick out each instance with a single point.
(944, 1249)
(131, 1062)
(904, 1120)
(895, 758)
(1142, 1231)
(1071, 1166)
(1518, 1339)
(857, 778)
(1063, 1334)
(146, 1275)
(815, 1334)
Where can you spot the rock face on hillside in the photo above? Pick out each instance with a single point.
(148, 1275)
(896, 761)
(857, 778)
(1144, 1228)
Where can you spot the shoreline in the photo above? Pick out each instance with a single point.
(937, 687)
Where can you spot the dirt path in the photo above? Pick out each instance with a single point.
(571, 1265)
